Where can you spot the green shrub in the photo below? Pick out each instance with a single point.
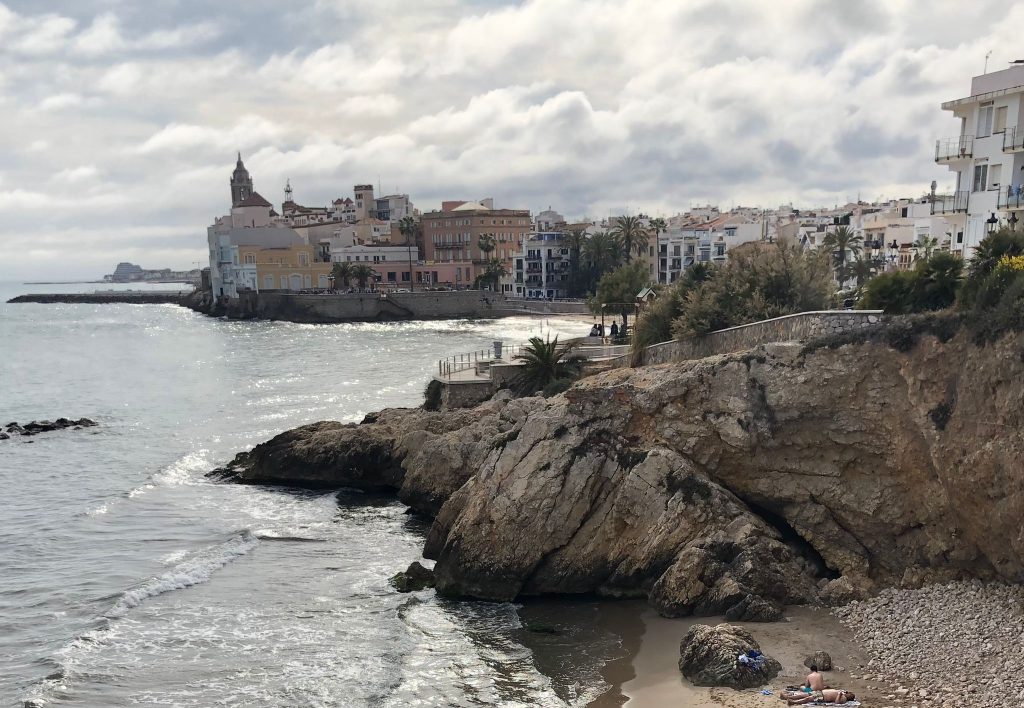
(990, 251)
(757, 282)
(892, 292)
(654, 325)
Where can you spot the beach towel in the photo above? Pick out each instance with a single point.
(838, 705)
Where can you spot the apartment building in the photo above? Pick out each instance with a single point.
(542, 269)
(452, 235)
(987, 156)
(702, 236)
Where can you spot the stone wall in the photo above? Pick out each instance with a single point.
(799, 327)
(355, 307)
(464, 394)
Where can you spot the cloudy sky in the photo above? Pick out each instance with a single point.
(119, 119)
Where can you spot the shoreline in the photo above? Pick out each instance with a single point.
(648, 676)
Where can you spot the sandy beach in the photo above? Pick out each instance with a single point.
(648, 676)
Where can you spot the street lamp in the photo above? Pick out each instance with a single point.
(992, 221)
(1013, 221)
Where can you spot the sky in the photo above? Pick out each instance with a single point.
(120, 119)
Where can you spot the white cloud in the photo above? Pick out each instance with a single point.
(76, 174)
(581, 104)
(59, 101)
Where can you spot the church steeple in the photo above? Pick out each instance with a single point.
(241, 182)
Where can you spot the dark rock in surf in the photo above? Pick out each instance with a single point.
(413, 578)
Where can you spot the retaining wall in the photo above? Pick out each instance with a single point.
(355, 307)
(800, 327)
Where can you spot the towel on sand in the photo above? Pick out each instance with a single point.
(820, 703)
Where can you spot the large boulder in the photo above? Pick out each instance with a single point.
(820, 659)
(709, 656)
(413, 578)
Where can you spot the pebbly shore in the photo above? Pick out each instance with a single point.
(956, 645)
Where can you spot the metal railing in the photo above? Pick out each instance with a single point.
(951, 203)
(954, 148)
(1013, 139)
(463, 362)
(1011, 198)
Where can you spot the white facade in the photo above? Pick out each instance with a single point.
(705, 237)
(541, 268)
(987, 156)
(227, 275)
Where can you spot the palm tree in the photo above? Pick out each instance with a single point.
(486, 244)
(341, 273)
(575, 240)
(927, 244)
(409, 228)
(602, 252)
(493, 272)
(840, 241)
(362, 274)
(543, 362)
(863, 269)
(632, 235)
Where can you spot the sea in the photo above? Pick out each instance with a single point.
(128, 578)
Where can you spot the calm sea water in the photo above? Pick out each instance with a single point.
(128, 578)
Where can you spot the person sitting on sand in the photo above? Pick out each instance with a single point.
(828, 695)
(815, 681)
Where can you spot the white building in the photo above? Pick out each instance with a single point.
(702, 236)
(987, 155)
(542, 267)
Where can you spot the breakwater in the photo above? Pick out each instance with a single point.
(138, 298)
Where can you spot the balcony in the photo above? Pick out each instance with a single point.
(1013, 139)
(1011, 198)
(951, 149)
(955, 203)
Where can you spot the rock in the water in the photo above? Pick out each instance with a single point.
(413, 578)
(821, 659)
(708, 656)
(45, 426)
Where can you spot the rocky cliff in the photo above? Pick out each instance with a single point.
(723, 485)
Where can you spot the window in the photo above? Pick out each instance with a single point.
(959, 236)
(1000, 124)
(985, 120)
(268, 282)
(303, 259)
(250, 257)
(993, 176)
(980, 178)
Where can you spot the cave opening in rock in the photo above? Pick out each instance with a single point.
(792, 538)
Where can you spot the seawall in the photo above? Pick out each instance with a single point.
(137, 298)
(368, 307)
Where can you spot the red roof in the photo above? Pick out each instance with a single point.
(254, 199)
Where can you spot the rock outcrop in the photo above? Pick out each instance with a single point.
(413, 578)
(709, 656)
(44, 426)
(732, 484)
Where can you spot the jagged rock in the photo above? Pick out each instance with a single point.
(754, 609)
(780, 474)
(708, 657)
(45, 426)
(414, 578)
(4, 436)
(821, 659)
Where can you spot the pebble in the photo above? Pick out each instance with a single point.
(956, 644)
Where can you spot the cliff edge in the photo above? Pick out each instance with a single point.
(731, 484)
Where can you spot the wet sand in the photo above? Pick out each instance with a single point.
(648, 675)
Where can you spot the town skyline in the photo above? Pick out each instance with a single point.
(732, 106)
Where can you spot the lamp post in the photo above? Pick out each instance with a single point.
(992, 222)
(1013, 220)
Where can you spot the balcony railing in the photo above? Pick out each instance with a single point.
(1011, 198)
(951, 203)
(1013, 139)
(954, 148)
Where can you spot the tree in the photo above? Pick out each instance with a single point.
(362, 273)
(927, 244)
(617, 291)
(493, 273)
(654, 324)
(409, 228)
(891, 292)
(575, 240)
(758, 282)
(486, 244)
(936, 281)
(342, 273)
(987, 255)
(838, 242)
(545, 361)
(632, 236)
(862, 269)
(601, 253)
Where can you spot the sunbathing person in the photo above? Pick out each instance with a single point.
(829, 695)
(815, 681)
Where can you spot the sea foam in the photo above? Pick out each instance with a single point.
(197, 569)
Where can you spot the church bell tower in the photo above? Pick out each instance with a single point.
(241, 183)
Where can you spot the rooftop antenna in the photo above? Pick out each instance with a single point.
(987, 55)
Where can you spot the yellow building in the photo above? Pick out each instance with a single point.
(299, 267)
